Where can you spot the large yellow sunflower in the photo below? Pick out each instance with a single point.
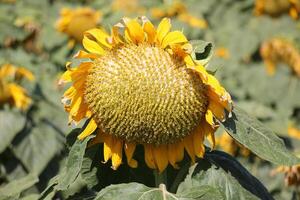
(10, 91)
(140, 86)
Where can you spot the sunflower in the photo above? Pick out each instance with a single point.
(291, 174)
(293, 132)
(279, 50)
(128, 7)
(74, 22)
(140, 86)
(179, 10)
(275, 8)
(10, 91)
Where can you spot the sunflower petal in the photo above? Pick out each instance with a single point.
(189, 147)
(89, 129)
(92, 46)
(163, 29)
(174, 37)
(149, 29)
(129, 150)
(134, 31)
(198, 138)
(161, 157)
(116, 159)
(149, 158)
(107, 147)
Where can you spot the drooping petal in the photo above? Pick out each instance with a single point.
(189, 146)
(89, 129)
(149, 158)
(107, 147)
(175, 153)
(116, 151)
(198, 139)
(161, 157)
(129, 150)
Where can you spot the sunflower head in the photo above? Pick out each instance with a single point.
(280, 50)
(74, 22)
(140, 86)
(275, 8)
(10, 91)
(291, 174)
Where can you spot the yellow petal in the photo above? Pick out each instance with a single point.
(149, 159)
(149, 29)
(92, 46)
(89, 129)
(116, 151)
(100, 35)
(189, 147)
(217, 109)
(163, 29)
(129, 150)
(173, 37)
(107, 146)
(209, 117)
(175, 153)
(26, 73)
(198, 138)
(83, 54)
(66, 77)
(134, 31)
(160, 154)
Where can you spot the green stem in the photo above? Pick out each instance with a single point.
(160, 177)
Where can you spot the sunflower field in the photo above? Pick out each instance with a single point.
(138, 100)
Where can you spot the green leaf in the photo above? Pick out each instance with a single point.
(202, 51)
(73, 164)
(36, 148)
(258, 138)
(137, 191)
(11, 123)
(14, 188)
(222, 172)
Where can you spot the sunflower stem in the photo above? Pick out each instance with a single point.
(160, 177)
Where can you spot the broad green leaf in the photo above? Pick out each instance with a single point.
(37, 147)
(14, 188)
(11, 123)
(73, 164)
(225, 174)
(258, 138)
(137, 191)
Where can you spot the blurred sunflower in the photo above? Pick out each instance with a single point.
(277, 7)
(278, 50)
(143, 87)
(291, 174)
(10, 91)
(229, 145)
(179, 10)
(74, 22)
(128, 7)
(294, 132)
